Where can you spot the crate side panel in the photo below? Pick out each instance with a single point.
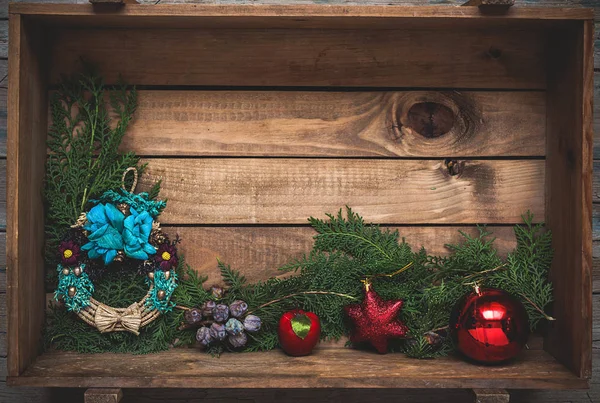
(452, 58)
(273, 13)
(25, 172)
(287, 191)
(568, 196)
(369, 124)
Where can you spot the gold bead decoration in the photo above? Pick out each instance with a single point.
(167, 275)
(124, 208)
(120, 256)
(161, 294)
(151, 275)
(72, 291)
(65, 271)
(77, 271)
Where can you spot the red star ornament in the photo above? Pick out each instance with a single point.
(376, 320)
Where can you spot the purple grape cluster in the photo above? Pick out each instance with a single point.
(223, 323)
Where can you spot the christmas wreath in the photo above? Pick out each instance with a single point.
(119, 230)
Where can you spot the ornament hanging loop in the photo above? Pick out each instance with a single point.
(367, 281)
(135, 179)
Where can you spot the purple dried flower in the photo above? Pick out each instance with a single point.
(238, 308)
(234, 327)
(217, 291)
(238, 341)
(203, 336)
(207, 308)
(68, 252)
(217, 331)
(193, 316)
(166, 256)
(252, 323)
(220, 313)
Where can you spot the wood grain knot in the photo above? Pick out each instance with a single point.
(494, 52)
(454, 167)
(430, 119)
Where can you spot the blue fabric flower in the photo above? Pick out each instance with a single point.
(136, 233)
(105, 224)
(141, 201)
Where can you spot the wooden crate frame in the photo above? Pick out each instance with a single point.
(567, 76)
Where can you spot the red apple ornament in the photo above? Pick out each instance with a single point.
(299, 332)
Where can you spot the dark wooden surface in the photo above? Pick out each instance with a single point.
(45, 395)
(330, 364)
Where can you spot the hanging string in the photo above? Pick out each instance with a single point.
(368, 280)
(135, 178)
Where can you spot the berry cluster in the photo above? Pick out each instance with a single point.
(222, 323)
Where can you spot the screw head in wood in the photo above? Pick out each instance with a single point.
(72, 291)
(161, 295)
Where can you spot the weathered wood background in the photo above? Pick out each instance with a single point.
(300, 237)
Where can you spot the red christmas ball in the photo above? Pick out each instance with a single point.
(489, 326)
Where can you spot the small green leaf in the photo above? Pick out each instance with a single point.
(301, 325)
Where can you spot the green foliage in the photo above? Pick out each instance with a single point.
(88, 123)
(367, 243)
(346, 250)
(526, 275)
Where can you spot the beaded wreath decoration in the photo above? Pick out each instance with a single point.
(119, 233)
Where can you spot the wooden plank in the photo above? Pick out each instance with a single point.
(491, 395)
(3, 105)
(37, 395)
(329, 366)
(568, 194)
(378, 3)
(2, 345)
(103, 395)
(267, 123)
(299, 395)
(3, 39)
(494, 5)
(596, 182)
(2, 198)
(596, 117)
(260, 251)
(27, 125)
(333, 58)
(308, 11)
(283, 191)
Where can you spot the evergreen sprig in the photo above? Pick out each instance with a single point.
(328, 278)
(527, 269)
(88, 122)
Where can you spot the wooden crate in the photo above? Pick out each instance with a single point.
(257, 117)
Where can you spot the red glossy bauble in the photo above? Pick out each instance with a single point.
(489, 326)
(299, 332)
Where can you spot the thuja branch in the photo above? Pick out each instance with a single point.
(298, 294)
(537, 308)
(481, 273)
